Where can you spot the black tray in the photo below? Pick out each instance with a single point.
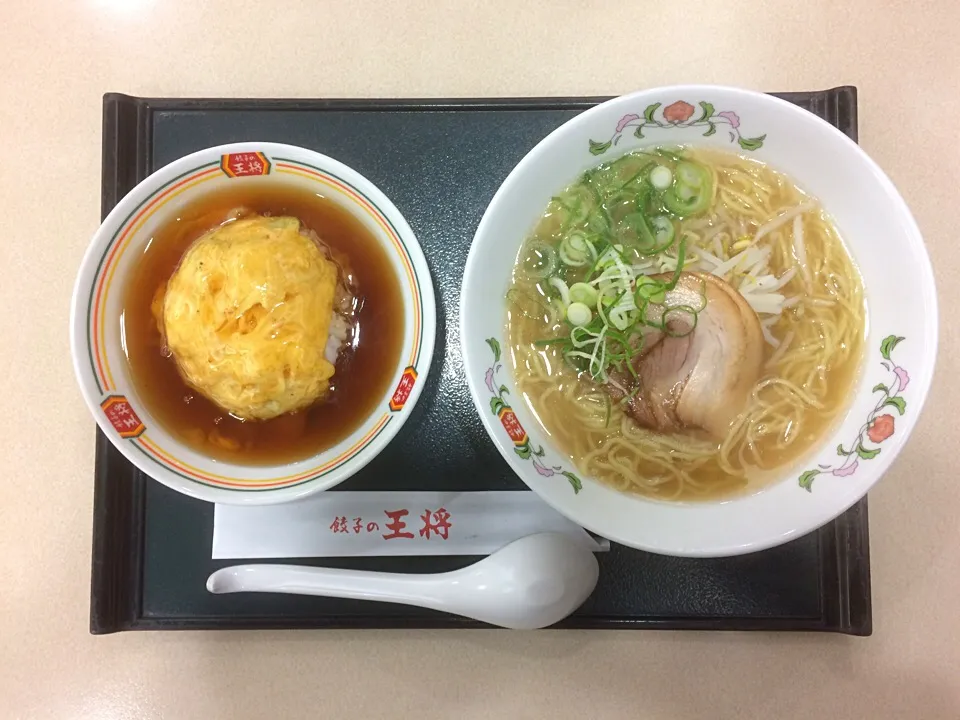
(440, 162)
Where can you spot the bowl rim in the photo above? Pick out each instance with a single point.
(510, 184)
(86, 274)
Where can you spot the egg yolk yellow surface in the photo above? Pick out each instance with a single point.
(246, 316)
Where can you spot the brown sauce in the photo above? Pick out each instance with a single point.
(363, 370)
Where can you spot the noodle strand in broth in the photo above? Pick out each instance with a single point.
(762, 235)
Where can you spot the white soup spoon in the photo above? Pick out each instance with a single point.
(531, 583)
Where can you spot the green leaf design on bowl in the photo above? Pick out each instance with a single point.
(502, 410)
(679, 114)
(878, 427)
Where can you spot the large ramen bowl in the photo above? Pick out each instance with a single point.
(98, 345)
(883, 403)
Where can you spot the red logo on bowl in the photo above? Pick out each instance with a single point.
(513, 427)
(122, 416)
(245, 163)
(404, 388)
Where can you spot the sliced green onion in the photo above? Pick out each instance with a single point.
(599, 222)
(651, 289)
(620, 319)
(613, 222)
(692, 174)
(639, 223)
(578, 242)
(623, 314)
(571, 260)
(600, 362)
(651, 238)
(576, 204)
(579, 354)
(692, 190)
(581, 336)
(610, 257)
(703, 296)
(679, 314)
(685, 206)
(619, 337)
(557, 310)
(576, 250)
(596, 263)
(625, 400)
(547, 342)
(579, 314)
(663, 229)
(561, 288)
(638, 175)
(539, 261)
(582, 293)
(649, 200)
(681, 256)
(661, 177)
(602, 303)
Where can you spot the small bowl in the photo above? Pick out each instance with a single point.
(872, 218)
(95, 334)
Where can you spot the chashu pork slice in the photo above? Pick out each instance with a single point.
(701, 378)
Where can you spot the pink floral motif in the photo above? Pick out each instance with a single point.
(880, 429)
(880, 424)
(626, 120)
(678, 112)
(731, 117)
(488, 379)
(903, 377)
(846, 470)
(524, 448)
(542, 469)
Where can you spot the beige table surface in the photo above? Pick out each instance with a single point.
(58, 58)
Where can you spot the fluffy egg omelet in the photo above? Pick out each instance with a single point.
(247, 314)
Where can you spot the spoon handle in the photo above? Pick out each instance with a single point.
(425, 590)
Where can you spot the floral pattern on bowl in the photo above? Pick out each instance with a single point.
(679, 115)
(879, 425)
(522, 445)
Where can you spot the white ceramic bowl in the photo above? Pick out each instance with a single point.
(102, 369)
(877, 227)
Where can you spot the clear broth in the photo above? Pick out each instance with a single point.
(606, 444)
